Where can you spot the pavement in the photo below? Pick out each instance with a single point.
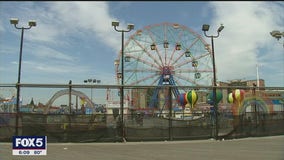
(254, 148)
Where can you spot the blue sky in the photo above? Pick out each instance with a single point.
(75, 40)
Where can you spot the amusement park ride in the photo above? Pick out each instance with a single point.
(158, 56)
(165, 54)
(162, 61)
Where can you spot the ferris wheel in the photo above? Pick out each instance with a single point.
(166, 54)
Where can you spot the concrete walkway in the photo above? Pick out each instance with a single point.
(260, 148)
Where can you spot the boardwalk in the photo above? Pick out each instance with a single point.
(260, 148)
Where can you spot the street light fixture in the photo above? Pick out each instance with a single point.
(92, 81)
(277, 34)
(130, 27)
(205, 28)
(32, 23)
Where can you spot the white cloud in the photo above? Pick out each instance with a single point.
(93, 17)
(1, 27)
(57, 21)
(44, 52)
(58, 24)
(244, 42)
(241, 44)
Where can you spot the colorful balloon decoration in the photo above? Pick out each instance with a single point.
(230, 98)
(210, 97)
(192, 98)
(182, 100)
(238, 96)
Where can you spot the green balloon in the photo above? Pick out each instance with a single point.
(192, 97)
(230, 98)
(219, 96)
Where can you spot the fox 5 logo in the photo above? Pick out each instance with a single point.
(29, 142)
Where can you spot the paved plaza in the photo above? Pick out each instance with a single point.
(256, 148)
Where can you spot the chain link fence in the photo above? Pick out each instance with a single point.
(93, 128)
(258, 115)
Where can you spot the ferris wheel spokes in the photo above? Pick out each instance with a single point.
(144, 50)
(165, 50)
(137, 82)
(148, 63)
(191, 60)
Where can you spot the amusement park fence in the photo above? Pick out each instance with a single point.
(259, 113)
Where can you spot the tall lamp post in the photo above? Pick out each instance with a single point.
(130, 27)
(205, 28)
(32, 23)
(94, 81)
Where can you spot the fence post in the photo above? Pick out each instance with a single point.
(170, 113)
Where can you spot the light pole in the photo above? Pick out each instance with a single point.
(205, 28)
(32, 23)
(130, 27)
(94, 81)
(255, 107)
(277, 34)
(70, 96)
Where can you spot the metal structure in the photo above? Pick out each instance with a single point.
(130, 27)
(32, 23)
(67, 92)
(166, 54)
(205, 28)
(236, 121)
(277, 34)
